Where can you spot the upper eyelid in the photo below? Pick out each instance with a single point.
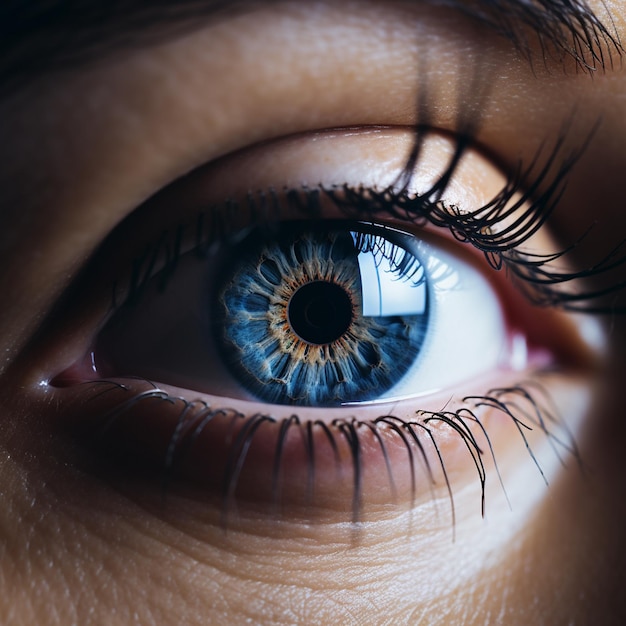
(526, 202)
(40, 40)
(129, 208)
(217, 222)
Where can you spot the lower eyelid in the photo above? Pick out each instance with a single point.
(153, 428)
(145, 434)
(156, 435)
(235, 468)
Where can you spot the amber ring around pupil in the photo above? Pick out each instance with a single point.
(320, 312)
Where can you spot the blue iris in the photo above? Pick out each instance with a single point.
(295, 322)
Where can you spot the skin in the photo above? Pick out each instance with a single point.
(83, 542)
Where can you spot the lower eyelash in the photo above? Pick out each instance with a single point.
(527, 406)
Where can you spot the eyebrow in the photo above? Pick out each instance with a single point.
(41, 37)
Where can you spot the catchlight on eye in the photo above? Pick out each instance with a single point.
(312, 314)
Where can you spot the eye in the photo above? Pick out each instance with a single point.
(314, 314)
(320, 342)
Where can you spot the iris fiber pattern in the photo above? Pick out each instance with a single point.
(290, 321)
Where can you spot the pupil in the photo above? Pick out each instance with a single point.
(320, 312)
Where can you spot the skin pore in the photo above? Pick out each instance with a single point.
(283, 95)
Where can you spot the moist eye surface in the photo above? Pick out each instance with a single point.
(311, 313)
(310, 317)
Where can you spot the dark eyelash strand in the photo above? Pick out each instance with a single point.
(498, 229)
(535, 274)
(526, 405)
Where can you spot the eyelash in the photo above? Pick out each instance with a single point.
(534, 274)
(516, 403)
(519, 404)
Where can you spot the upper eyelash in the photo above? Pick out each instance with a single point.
(500, 246)
(535, 274)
